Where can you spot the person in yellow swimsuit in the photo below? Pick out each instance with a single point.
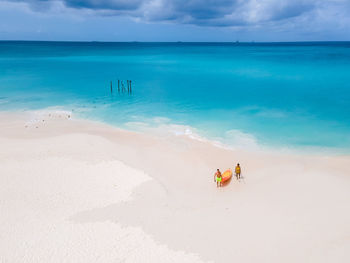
(238, 171)
(218, 178)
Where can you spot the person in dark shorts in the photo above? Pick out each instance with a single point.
(238, 171)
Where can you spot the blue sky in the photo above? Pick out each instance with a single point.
(175, 20)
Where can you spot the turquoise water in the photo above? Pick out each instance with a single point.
(275, 94)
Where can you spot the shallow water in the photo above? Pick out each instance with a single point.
(273, 94)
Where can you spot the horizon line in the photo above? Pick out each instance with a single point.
(179, 41)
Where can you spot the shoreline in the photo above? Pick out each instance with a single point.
(285, 200)
(169, 129)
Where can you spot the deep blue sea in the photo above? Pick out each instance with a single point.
(273, 94)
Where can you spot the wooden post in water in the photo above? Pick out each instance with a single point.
(118, 86)
(123, 88)
(130, 86)
(111, 87)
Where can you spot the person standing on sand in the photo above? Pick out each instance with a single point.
(218, 178)
(238, 171)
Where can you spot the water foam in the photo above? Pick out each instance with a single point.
(161, 126)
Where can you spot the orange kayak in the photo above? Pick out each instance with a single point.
(226, 175)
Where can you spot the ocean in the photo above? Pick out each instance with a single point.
(279, 95)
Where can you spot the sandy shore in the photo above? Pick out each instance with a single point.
(79, 191)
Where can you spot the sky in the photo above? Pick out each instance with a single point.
(175, 20)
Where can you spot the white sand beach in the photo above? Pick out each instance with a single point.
(74, 190)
